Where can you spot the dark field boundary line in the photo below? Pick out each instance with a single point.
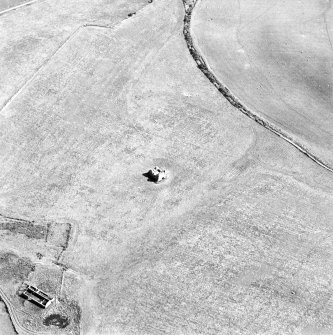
(202, 64)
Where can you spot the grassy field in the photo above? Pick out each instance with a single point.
(6, 326)
(8, 4)
(276, 57)
(237, 241)
(32, 34)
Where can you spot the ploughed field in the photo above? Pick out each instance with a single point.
(277, 58)
(238, 240)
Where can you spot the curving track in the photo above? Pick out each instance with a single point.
(13, 313)
(189, 6)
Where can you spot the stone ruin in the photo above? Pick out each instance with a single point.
(157, 175)
(35, 295)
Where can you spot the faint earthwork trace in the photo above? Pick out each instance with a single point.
(202, 64)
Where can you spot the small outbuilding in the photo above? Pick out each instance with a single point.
(35, 295)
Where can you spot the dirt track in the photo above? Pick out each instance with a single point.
(22, 330)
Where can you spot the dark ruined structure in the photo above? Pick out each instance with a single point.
(35, 295)
(157, 174)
